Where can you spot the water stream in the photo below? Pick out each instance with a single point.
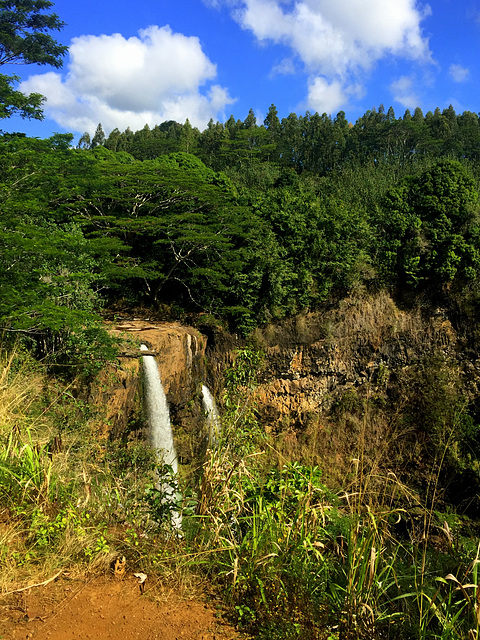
(213, 417)
(160, 429)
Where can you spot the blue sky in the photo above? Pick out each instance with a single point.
(144, 62)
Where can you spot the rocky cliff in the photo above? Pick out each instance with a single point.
(367, 379)
(365, 373)
(315, 359)
(180, 355)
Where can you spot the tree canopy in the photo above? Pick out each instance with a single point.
(252, 224)
(25, 38)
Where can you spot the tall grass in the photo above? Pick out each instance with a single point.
(297, 558)
(67, 499)
(294, 555)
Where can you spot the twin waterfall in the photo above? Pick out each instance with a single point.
(160, 429)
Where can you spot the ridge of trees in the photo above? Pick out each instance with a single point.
(251, 224)
(310, 142)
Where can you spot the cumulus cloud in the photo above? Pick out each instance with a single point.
(337, 42)
(458, 73)
(120, 82)
(403, 91)
(325, 97)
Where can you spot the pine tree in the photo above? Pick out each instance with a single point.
(99, 137)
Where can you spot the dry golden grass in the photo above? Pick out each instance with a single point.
(19, 390)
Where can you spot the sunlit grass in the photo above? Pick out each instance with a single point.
(291, 553)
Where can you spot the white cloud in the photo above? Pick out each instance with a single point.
(325, 97)
(124, 82)
(285, 67)
(403, 91)
(338, 41)
(458, 73)
(332, 36)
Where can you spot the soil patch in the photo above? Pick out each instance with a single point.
(107, 609)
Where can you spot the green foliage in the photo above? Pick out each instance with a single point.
(430, 228)
(23, 33)
(296, 559)
(240, 430)
(25, 472)
(25, 39)
(14, 102)
(304, 217)
(164, 499)
(71, 497)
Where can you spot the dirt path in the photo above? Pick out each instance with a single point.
(106, 609)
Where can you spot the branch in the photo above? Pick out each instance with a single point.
(39, 584)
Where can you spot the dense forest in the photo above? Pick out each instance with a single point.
(247, 223)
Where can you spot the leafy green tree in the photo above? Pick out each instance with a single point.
(321, 244)
(113, 139)
(430, 228)
(250, 121)
(469, 135)
(188, 137)
(25, 39)
(214, 144)
(84, 141)
(290, 146)
(49, 271)
(272, 121)
(61, 141)
(168, 221)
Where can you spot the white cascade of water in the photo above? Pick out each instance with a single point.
(160, 429)
(213, 417)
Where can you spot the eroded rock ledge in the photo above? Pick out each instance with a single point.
(180, 354)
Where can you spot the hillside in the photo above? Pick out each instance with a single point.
(322, 280)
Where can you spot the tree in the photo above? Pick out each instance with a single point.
(168, 222)
(272, 121)
(49, 278)
(250, 121)
(84, 141)
(98, 139)
(25, 39)
(430, 229)
(188, 137)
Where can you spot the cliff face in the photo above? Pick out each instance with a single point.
(316, 359)
(310, 362)
(365, 374)
(180, 355)
(370, 382)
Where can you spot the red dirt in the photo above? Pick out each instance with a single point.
(106, 609)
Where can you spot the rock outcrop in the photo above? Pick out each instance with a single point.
(180, 355)
(320, 372)
(317, 358)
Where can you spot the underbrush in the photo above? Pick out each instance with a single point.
(296, 558)
(69, 499)
(291, 554)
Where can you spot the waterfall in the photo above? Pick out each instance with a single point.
(160, 429)
(213, 418)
